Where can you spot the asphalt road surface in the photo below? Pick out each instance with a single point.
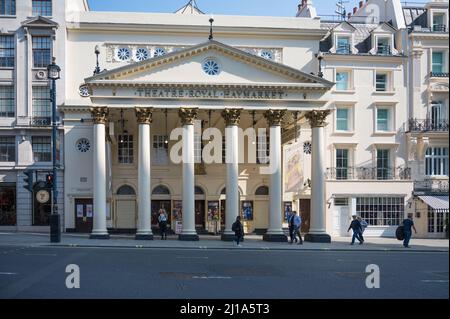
(40, 272)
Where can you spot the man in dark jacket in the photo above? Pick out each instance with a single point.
(407, 225)
(357, 230)
(238, 230)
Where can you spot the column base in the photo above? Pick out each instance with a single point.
(143, 237)
(318, 238)
(227, 237)
(99, 236)
(188, 237)
(275, 238)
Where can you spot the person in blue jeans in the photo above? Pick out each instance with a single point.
(407, 225)
(357, 230)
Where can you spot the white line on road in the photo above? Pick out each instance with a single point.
(439, 281)
(8, 273)
(210, 277)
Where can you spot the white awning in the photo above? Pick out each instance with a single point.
(436, 202)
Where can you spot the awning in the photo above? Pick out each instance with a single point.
(436, 202)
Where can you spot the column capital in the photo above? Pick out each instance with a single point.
(317, 118)
(274, 117)
(188, 116)
(232, 116)
(144, 115)
(99, 114)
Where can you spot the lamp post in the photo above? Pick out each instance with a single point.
(53, 74)
(320, 57)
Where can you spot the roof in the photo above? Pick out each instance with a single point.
(436, 202)
(190, 8)
(415, 16)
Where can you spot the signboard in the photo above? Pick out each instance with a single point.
(247, 210)
(178, 227)
(80, 211)
(89, 211)
(293, 177)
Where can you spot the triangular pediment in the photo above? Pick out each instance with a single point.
(187, 66)
(344, 27)
(40, 22)
(384, 28)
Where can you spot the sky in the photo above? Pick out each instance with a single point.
(284, 8)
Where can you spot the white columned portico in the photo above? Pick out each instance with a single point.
(144, 119)
(275, 232)
(317, 231)
(232, 118)
(188, 117)
(99, 231)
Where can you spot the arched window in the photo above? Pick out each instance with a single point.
(199, 191)
(161, 190)
(262, 190)
(126, 190)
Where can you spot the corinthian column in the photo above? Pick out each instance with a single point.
(275, 232)
(232, 118)
(99, 115)
(144, 119)
(188, 117)
(317, 231)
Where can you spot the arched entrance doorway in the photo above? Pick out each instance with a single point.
(161, 200)
(126, 209)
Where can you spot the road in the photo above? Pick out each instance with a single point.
(40, 272)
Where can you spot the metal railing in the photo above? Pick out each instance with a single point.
(439, 28)
(428, 125)
(384, 49)
(368, 173)
(40, 121)
(343, 49)
(439, 74)
(431, 186)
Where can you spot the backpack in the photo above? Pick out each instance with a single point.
(234, 227)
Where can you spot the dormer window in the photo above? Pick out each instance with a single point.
(343, 45)
(383, 46)
(439, 22)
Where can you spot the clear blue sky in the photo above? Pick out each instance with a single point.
(234, 7)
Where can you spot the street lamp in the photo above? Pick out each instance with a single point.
(320, 57)
(53, 74)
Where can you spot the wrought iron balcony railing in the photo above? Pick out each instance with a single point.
(384, 49)
(439, 74)
(343, 49)
(368, 173)
(439, 28)
(431, 186)
(428, 125)
(40, 121)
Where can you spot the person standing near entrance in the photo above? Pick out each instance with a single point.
(297, 226)
(238, 230)
(356, 227)
(162, 219)
(407, 225)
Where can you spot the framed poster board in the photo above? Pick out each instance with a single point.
(177, 211)
(247, 210)
(287, 210)
(213, 210)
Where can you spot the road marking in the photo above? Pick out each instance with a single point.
(439, 281)
(8, 273)
(53, 255)
(192, 257)
(210, 277)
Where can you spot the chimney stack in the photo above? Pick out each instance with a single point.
(361, 3)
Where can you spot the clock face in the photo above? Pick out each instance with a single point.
(42, 196)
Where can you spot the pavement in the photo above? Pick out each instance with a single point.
(251, 242)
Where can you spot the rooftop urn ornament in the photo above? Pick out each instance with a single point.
(211, 21)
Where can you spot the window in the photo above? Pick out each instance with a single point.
(7, 49)
(42, 148)
(126, 190)
(383, 120)
(7, 148)
(7, 101)
(211, 67)
(342, 119)
(42, 8)
(341, 201)
(7, 7)
(437, 115)
(342, 80)
(42, 55)
(125, 148)
(343, 45)
(381, 82)
(383, 160)
(383, 46)
(342, 164)
(436, 161)
(381, 211)
(41, 103)
(160, 149)
(437, 62)
(439, 22)
(436, 220)
(8, 216)
(263, 148)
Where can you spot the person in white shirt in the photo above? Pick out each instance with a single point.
(162, 219)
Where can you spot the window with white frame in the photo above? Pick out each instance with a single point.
(436, 161)
(383, 46)
(383, 164)
(382, 82)
(439, 22)
(41, 148)
(42, 51)
(160, 150)
(42, 8)
(7, 148)
(343, 119)
(383, 119)
(125, 149)
(342, 163)
(437, 115)
(342, 80)
(7, 51)
(343, 45)
(7, 101)
(437, 62)
(381, 211)
(7, 7)
(263, 148)
(41, 102)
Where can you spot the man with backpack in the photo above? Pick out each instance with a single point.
(363, 226)
(356, 227)
(238, 230)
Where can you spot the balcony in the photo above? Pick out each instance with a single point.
(368, 173)
(428, 125)
(343, 49)
(431, 186)
(40, 121)
(439, 74)
(384, 49)
(439, 28)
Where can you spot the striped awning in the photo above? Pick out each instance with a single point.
(436, 202)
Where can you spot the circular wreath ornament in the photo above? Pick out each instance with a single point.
(84, 91)
(159, 52)
(142, 54)
(123, 54)
(83, 145)
(307, 147)
(211, 67)
(266, 55)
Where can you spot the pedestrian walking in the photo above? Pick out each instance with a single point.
(355, 226)
(407, 225)
(364, 225)
(296, 228)
(238, 230)
(162, 220)
(291, 224)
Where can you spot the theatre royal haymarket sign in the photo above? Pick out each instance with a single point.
(203, 93)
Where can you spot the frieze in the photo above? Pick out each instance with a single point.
(243, 94)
